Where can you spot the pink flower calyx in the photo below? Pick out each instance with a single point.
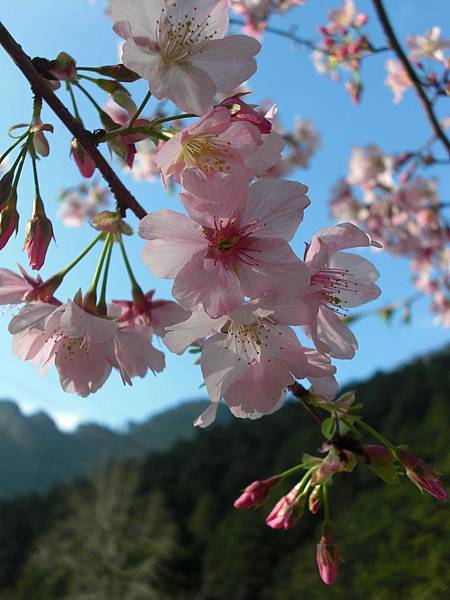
(256, 493)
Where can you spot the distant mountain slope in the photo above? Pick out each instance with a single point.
(35, 454)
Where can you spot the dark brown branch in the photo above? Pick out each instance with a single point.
(425, 101)
(41, 88)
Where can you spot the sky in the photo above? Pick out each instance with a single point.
(285, 75)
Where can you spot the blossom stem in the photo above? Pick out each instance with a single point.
(101, 306)
(35, 173)
(69, 88)
(11, 148)
(379, 437)
(20, 161)
(173, 118)
(292, 470)
(134, 284)
(88, 248)
(133, 119)
(88, 96)
(98, 271)
(326, 506)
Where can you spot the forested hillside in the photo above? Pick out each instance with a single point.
(165, 529)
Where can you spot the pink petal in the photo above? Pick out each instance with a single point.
(199, 325)
(77, 323)
(174, 240)
(13, 287)
(278, 204)
(362, 274)
(267, 155)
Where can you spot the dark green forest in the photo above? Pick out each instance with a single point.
(164, 528)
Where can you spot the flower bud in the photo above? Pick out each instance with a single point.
(423, 476)
(5, 188)
(287, 511)
(38, 235)
(327, 556)
(255, 493)
(9, 221)
(63, 67)
(111, 222)
(82, 159)
(314, 500)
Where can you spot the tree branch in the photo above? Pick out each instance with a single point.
(425, 101)
(40, 87)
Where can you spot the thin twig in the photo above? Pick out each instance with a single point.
(425, 101)
(41, 87)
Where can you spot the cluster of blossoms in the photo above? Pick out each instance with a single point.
(385, 195)
(256, 13)
(427, 52)
(342, 47)
(343, 451)
(240, 288)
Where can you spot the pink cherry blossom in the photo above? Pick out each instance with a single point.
(249, 359)
(397, 79)
(217, 143)
(370, 166)
(180, 49)
(327, 557)
(82, 346)
(430, 45)
(339, 281)
(233, 244)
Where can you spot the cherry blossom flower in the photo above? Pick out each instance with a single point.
(327, 557)
(370, 166)
(249, 359)
(144, 166)
(14, 288)
(83, 347)
(397, 79)
(233, 244)
(339, 280)
(341, 18)
(430, 45)
(217, 143)
(180, 49)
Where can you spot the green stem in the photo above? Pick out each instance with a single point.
(11, 148)
(306, 477)
(20, 161)
(88, 248)
(98, 271)
(101, 306)
(174, 118)
(74, 102)
(326, 505)
(35, 173)
(291, 471)
(133, 119)
(88, 96)
(134, 283)
(378, 436)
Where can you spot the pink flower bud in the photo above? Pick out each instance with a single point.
(9, 223)
(63, 67)
(314, 500)
(423, 476)
(83, 161)
(360, 20)
(38, 235)
(287, 511)
(6, 183)
(327, 556)
(241, 111)
(255, 493)
(378, 453)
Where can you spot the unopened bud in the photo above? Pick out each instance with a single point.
(6, 183)
(38, 235)
(423, 476)
(327, 556)
(82, 159)
(9, 221)
(111, 222)
(255, 493)
(314, 500)
(287, 511)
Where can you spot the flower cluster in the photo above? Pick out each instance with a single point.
(81, 203)
(256, 13)
(384, 194)
(343, 451)
(342, 46)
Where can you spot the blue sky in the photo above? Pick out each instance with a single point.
(285, 75)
